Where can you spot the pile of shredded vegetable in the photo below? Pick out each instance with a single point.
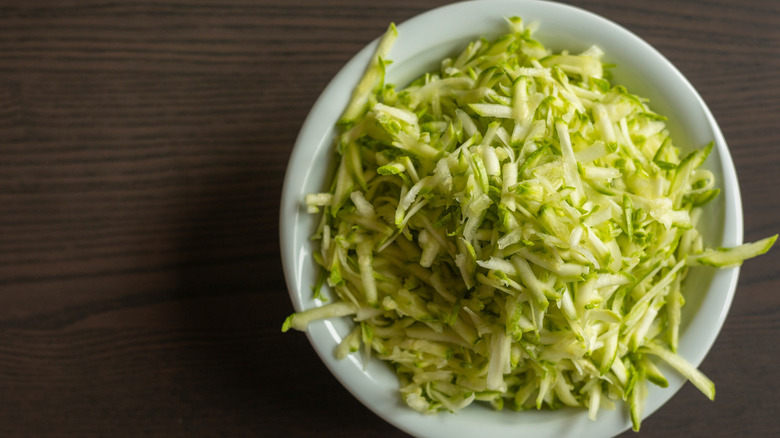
(512, 229)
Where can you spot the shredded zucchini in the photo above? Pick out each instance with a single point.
(513, 229)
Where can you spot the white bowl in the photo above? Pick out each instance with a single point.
(423, 41)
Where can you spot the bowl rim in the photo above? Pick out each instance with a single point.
(316, 134)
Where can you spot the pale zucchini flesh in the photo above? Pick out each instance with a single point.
(513, 229)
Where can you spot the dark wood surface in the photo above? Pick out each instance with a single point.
(142, 150)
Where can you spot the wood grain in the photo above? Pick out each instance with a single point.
(143, 146)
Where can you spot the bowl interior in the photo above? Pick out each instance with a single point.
(423, 41)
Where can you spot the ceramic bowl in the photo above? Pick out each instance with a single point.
(422, 42)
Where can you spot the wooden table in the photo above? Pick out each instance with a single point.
(142, 150)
